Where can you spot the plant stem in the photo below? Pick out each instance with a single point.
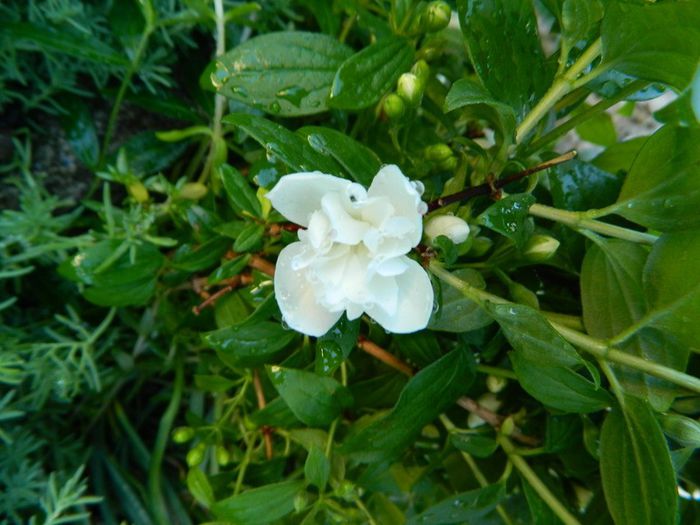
(578, 220)
(560, 87)
(164, 427)
(599, 348)
(535, 482)
(570, 124)
(495, 371)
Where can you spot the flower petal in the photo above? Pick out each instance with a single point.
(415, 302)
(296, 297)
(298, 195)
(346, 229)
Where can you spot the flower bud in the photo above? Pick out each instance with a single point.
(222, 456)
(437, 16)
(438, 153)
(410, 88)
(138, 191)
(301, 501)
(508, 426)
(196, 455)
(193, 191)
(495, 383)
(422, 71)
(454, 228)
(448, 164)
(183, 434)
(540, 248)
(394, 106)
(684, 430)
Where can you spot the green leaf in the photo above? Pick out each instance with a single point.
(260, 505)
(249, 344)
(80, 131)
(239, 193)
(662, 189)
(613, 300)
(250, 238)
(424, 397)
(477, 445)
(369, 74)
(672, 288)
(199, 487)
(189, 258)
(458, 313)
(598, 129)
(509, 216)
(287, 73)
(281, 143)
(315, 400)
(229, 269)
(578, 17)
(360, 162)
(317, 468)
(635, 466)
(148, 155)
(505, 50)
(466, 507)
(658, 41)
(581, 186)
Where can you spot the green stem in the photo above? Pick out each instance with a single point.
(561, 86)
(570, 124)
(536, 483)
(614, 383)
(164, 428)
(495, 371)
(572, 321)
(578, 220)
(598, 348)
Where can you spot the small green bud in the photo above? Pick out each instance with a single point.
(394, 106)
(480, 246)
(523, 295)
(438, 152)
(540, 248)
(138, 191)
(249, 424)
(437, 16)
(410, 88)
(508, 426)
(183, 434)
(448, 164)
(193, 191)
(422, 70)
(346, 490)
(454, 228)
(495, 383)
(196, 455)
(222, 456)
(682, 429)
(301, 501)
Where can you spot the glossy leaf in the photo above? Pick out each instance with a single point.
(658, 41)
(284, 145)
(514, 70)
(509, 216)
(249, 344)
(287, 73)
(662, 189)
(260, 505)
(613, 300)
(250, 238)
(467, 507)
(458, 313)
(360, 162)
(368, 75)
(315, 400)
(635, 464)
(426, 396)
(580, 186)
(239, 191)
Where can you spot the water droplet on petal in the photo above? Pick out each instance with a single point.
(422, 208)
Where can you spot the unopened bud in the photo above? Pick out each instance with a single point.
(448, 164)
(138, 191)
(437, 16)
(454, 228)
(196, 455)
(183, 434)
(301, 501)
(222, 456)
(684, 430)
(394, 106)
(540, 248)
(508, 426)
(523, 295)
(438, 153)
(495, 383)
(410, 89)
(422, 71)
(193, 191)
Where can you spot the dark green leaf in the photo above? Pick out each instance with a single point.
(80, 131)
(229, 269)
(190, 258)
(578, 17)
(662, 189)
(458, 313)
(260, 505)
(635, 465)
(250, 238)
(613, 300)
(369, 74)
(249, 344)
(421, 348)
(478, 445)
(148, 155)
(680, 112)
(287, 73)
(315, 400)
(317, 468)
(239, 192)
(281, 143)
(360, 162)
(580, 186)
(658, 41)
(426, 396)
(275, 414)
(467, 507)
(505, 50)
(509, 217)
(199, 487)
(672, 288)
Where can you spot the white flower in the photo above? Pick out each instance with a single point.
(454, 228)
(352, 256)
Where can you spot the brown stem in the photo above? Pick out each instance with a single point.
(384, 356)
(262, 265)
(491, 187)
(209, 299)
(267, 431)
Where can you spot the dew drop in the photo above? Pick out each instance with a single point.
(418, 186)
(422, 208)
